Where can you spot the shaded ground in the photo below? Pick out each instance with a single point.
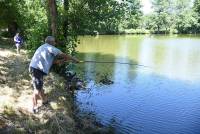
(15, 100)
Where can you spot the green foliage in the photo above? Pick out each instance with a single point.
(87, 16)
(34, 23)
(172, 16)
(185, 19)
(161, 16)
(196, 9)
(131, 14)
(8, 12)
(137, 31)
(197, 6)
(96, 16)
(102, 16)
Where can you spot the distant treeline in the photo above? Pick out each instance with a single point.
(61, 18)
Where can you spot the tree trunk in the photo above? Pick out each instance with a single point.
(53, 16)
(66, 23)
(158, 29)
(12, 28)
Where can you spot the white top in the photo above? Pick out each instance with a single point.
(43, 57)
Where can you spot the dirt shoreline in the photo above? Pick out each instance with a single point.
(15, 101)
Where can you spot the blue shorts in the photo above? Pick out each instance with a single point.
(37, 78)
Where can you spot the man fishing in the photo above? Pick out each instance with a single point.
(40, 65)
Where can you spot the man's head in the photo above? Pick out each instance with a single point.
(50, 40)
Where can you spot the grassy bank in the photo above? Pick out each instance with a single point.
(15, 103)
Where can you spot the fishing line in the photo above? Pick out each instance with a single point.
(113, 62)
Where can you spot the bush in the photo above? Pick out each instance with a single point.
(136, 31)
(5, 34)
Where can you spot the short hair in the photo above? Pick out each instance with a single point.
(49, 39)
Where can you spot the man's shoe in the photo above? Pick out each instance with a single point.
(35, 110)
(45, 103)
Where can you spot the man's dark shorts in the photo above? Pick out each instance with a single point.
(37, 78)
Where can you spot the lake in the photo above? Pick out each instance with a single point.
(158, 93)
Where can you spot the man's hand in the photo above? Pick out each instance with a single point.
(58, 62)
(68, 57)
(75, 60)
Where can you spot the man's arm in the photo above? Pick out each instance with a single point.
(68, 57)
(65, 57)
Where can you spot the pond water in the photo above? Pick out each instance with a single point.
(158, 93)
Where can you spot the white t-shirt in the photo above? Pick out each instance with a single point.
(44, 57)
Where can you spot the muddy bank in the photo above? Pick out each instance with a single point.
(59, 116)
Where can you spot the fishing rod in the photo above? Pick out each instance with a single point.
(112, 62)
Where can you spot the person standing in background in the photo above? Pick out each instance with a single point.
(18, 42)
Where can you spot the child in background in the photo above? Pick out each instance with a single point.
(18, 42)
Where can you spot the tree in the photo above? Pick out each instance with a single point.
(9, 15)
(53, 16)
(88, 16)
(196, 8)
(162, 11)
(65, 22)
(132, 14)
(34, 22)
(186, 18)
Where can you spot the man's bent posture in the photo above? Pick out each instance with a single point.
(40, 65)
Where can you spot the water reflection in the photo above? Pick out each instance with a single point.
(173, 57)
(89, 68)
(162, 97)
(121, 71)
